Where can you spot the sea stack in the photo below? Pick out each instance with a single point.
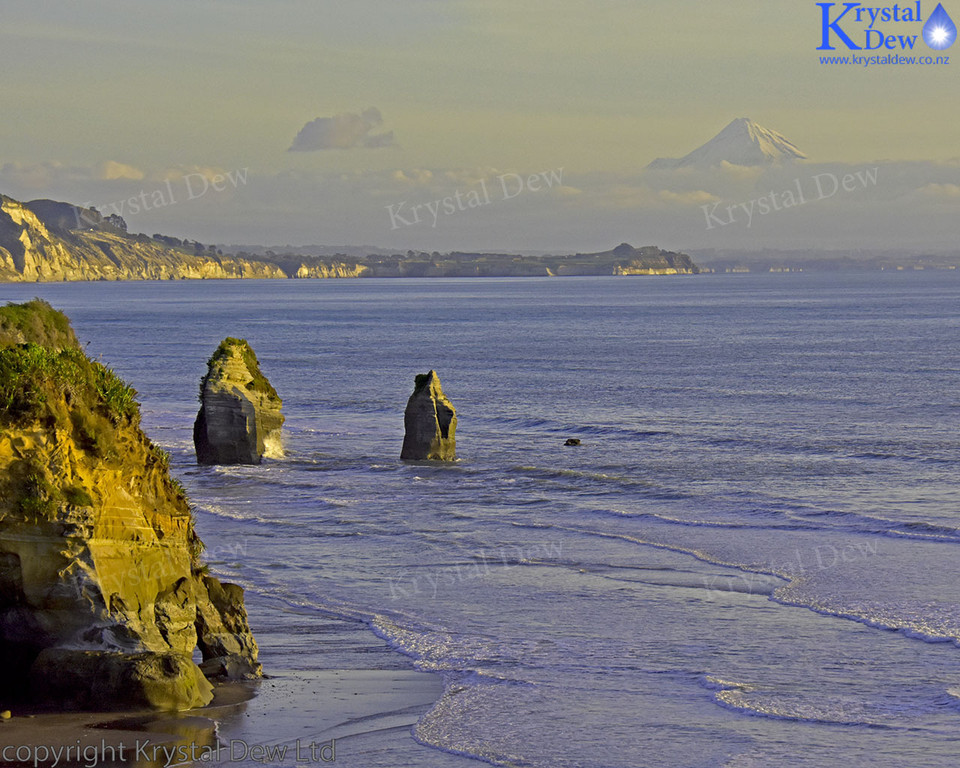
(103, 597)
(240, 417)
(430, 422)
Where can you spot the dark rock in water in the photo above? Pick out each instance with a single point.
(572, 441)
(102, 591)
(430, 422)
(240, 417)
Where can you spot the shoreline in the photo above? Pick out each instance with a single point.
(337, 695)
(115, 738)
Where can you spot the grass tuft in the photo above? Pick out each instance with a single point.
(222, 353)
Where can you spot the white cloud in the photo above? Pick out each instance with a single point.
(50, 173)
(177, 172)
(416, 176)
(696, 197)
(343, 131)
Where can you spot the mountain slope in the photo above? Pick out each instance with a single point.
(742, 142)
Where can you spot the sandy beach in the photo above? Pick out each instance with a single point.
(349, 698)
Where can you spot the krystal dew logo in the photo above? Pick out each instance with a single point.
(854, 26)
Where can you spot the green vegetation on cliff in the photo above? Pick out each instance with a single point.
(54, 385)
(36, 322)
(258, 383)
(103, 597)
(49, 380)
(46, 380)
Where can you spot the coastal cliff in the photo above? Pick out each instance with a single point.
(622, 260)
(103, 596)
(34, 251)
(45, 241)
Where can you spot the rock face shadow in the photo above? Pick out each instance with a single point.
(240, 419)
(104, 597)
(430, 422)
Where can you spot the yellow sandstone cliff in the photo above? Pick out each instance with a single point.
(31, 252)
(103, 597)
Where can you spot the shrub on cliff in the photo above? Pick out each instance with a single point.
(37, 322)
(98, 554)
(258, 383)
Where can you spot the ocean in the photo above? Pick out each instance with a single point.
(751, 559)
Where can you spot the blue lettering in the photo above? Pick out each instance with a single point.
(834, 26)
(877, 35)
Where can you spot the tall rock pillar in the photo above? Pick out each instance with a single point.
(240, 417)
(430, 422)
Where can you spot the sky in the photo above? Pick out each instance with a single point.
(512, 125)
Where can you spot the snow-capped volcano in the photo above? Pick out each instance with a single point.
(743, 142)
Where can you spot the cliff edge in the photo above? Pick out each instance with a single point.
(37, 244)
(103, 597)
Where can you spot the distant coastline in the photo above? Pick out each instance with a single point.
(769, 260)
(49, 241)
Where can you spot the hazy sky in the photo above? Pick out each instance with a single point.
(405, 102)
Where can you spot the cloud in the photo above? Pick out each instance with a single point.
(343, 131)
(50, 173)
(110, 170)
(746, 171)
(940, 191)
(177, 172)
(417, 176)
(696, 197)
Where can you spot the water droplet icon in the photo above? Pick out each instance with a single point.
(939, 32)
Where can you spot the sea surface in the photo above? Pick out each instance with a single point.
(752, 559)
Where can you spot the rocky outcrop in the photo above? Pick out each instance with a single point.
(627, 260)
(223, 634)
(323, 270)
(240, 417)
(105, 680)
(31, 251)
(103, 598)
(430, 423)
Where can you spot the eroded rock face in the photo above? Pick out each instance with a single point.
(223, 634)
(430, 423)
(92, 249)
(240, 419)
(107, 680)
(102, 595)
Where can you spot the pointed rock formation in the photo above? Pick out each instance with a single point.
(430, 422)
(239, 420)
(103, 598)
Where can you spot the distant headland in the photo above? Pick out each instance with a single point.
(50, 241)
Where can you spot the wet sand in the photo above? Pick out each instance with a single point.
(333, 693)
